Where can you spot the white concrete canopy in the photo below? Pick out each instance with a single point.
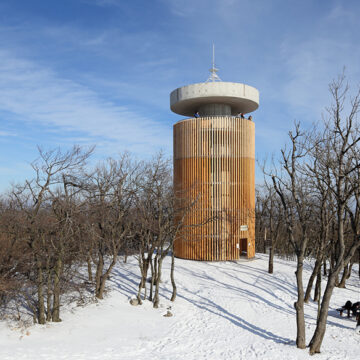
(240, 97)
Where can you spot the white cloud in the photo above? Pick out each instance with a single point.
(183, 8)
(6, 133)
(312, 63)
(340, 13)
(103, 2)
(40, 96)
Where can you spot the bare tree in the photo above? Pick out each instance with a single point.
(33, 200)
(13, 259)
(323, 219)
(273, 216)
(65, 205)
(155, 211)
(261, 223)
(110, 196)
(160, 213)
(295, 197)
(338, 163)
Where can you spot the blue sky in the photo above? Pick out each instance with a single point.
(99, 72)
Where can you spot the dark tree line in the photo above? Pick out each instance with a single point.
(63, 231)
(310, 205)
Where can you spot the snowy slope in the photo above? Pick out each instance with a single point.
(231, 310)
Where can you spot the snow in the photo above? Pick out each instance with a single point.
(224, 310)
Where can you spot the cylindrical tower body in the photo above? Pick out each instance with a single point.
(214, 175)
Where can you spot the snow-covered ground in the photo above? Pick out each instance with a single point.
(230, 310)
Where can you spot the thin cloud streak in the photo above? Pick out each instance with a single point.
(311, 63)
(6, 133)
(39, 96)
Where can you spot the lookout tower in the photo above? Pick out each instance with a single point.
(214, 169)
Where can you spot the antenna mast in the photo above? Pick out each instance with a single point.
(213, 76)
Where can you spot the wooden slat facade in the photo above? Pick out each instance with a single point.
(214, 166)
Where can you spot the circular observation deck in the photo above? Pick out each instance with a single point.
(228, 97)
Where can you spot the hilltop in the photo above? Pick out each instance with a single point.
(230, 310)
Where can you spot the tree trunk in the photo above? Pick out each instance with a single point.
(48, 292)
(144, 266)
(332, 261)
(99, 271)
(299, 306)
(319, 333)
(40, 293)
(173, 296)
(141, 285)
(154, 270)
(271, 260)
(103, 278)
(265, 240)
(89, 269)
(56, 299)
(157, 283)
(344, 277)
(336, 257)
(314, 273)
(317, 287)
(152, 281)
(324, 268)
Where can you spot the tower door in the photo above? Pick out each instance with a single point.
(243, 247)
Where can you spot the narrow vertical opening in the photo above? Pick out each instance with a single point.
(243, 248)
